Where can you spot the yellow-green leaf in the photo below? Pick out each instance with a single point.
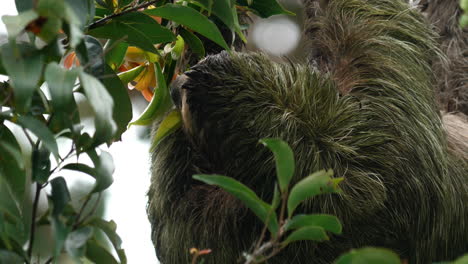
(160, 103)
(171, 123)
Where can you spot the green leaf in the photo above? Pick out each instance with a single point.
(61, 232)
(115, 53)
(104, 168)
(369, 255)
(102, 171)
(23, 5)
(99, 254)
(136, 29)
(463, 259)
(222, 9)
(160, 103)
(75, 245)
(464, 5)
(265, 8)
(122, 112)
(60, 82)
(327, 222)
(8, 202)
(91, 54)
(41, 131)
(178, 48)
(190, 18)
(102, 105)
(464, 20)
(11, 164)
(109, 228)
(261, 209)
(16, 24)
(130, 75)
(81, 168)
(84, 10)
(276, 198)
(24, 66)
(59, 195)
(10, 257)
(41, 165)
(318, 183)
(193, 41)
(314, 233)
(284, 158)
(170, 124)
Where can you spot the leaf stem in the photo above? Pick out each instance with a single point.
(103, 20)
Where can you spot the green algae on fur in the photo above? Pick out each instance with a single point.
(364, 106)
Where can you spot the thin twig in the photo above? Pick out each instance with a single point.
(107, 18)
(33, 219)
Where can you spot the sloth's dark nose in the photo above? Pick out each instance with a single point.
(175, 89)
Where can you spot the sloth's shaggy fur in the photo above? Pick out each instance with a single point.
(452, 84)
(363, 107)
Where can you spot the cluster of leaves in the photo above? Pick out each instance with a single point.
(53, 57)
(287, 227)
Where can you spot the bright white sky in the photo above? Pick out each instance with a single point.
(127, 196)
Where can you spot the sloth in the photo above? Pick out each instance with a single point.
(364, 105)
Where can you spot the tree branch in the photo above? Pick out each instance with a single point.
(107, 18)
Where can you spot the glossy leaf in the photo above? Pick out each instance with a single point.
(12, 168)
(16, 24)
(160, 103)
(24, 67)
(318, 183)
(313, 233)
(60, 82)
(276, 198)
(75, 21)
(122, 112)
(99, 254)
(178, 48)
(61, 232)
(60, 195)
(115, 53)
(193, 42)
(265, 8)
(261, 209)
(41, 131)
(102, 105)
(369, 255)
(84, 10)
(109, 228)
(169, 124)
(75, 245)
(10, 257)
(41, 165)
(81, 168)
(190, 18)
(328, 222)
(130, 75)
(136, 29)
(104, 168)
(222, 9)
(463, 259)
(23, 5)
(91, 55)
(284, 159)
